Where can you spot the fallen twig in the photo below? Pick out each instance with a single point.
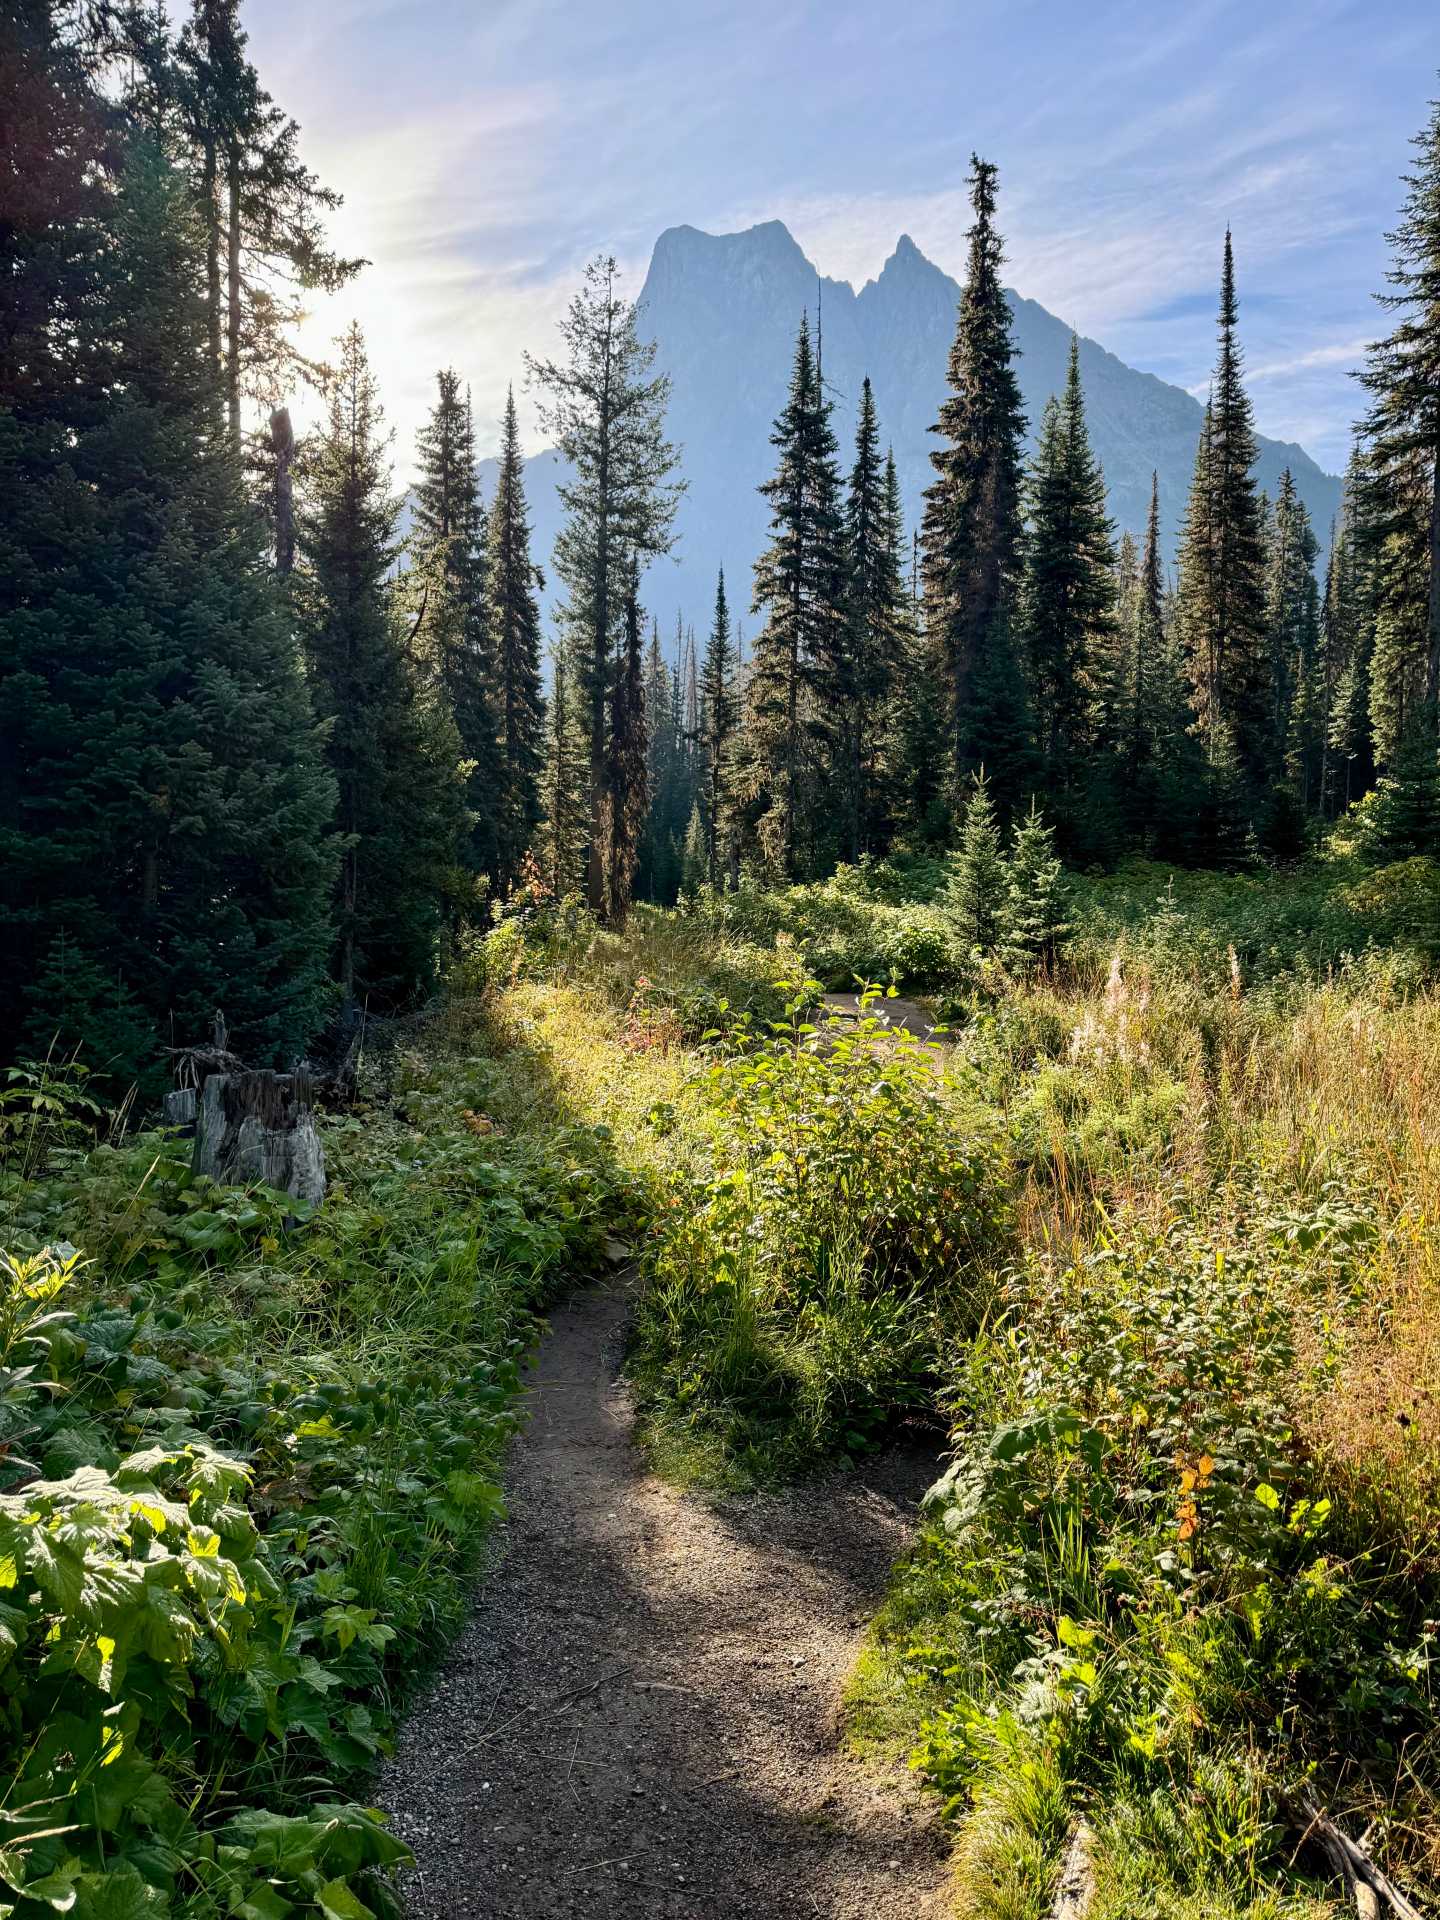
(1366, 1884)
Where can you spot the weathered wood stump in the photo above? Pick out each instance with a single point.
(257, 1126)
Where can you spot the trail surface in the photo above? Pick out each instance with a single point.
(642, 1717)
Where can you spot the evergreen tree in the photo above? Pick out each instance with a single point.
(514, 649)
(1222, 574)
(263, 210)
(972, 516)
(1347, 645)
(1035, 922)
(564, 812)
(447, 589)
(626, 794)
(658, 873)
(1293, 616)
(1068, 595)
(719, 709)
(1402, 376)
(977, 893)
(165, 813)
(802, 646)
(606, 411)
(392, 742)
(877, 633)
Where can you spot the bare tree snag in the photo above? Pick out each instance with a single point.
(1076, 1888)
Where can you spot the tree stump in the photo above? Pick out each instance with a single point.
(257, 1126)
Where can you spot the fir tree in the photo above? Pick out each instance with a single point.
(1035, 914)
(392, 743)
(1402, 376)
(802, 647)
(1068, 596)
(626, 794)
(605, 408)
(564, 813)
(972, 515)
(165, 842)
(976, 898)
(1222, 572)
(1347, 645)
(447, 589)
(719, 711)
(1293, 617)
(877, 631)
(264, 211)
(514, 649)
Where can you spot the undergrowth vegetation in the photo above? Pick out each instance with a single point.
(246, 1466)
(1151, 1230)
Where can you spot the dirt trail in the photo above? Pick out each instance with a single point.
(908, 1014)
(641, 1719)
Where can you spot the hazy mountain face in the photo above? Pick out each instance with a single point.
(723, 310)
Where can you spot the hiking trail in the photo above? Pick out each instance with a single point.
(642, 1716)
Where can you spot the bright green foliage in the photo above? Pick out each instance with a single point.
(972, 514)
(798, 668)
(790, 1310)
(1222, 574)
(514, 651)
(1035, 916)
(1068, 591)
(977, 893)
(225, 1553)
(391, 743)
(164, 806)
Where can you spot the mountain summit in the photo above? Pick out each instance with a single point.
(723, 310)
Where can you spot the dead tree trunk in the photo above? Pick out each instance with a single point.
(282, 447)
(257, 1126)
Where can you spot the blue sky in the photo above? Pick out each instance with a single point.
(487, 150)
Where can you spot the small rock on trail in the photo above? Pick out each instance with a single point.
(642, 1717)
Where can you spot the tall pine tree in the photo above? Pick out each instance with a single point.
(972, 527)
(392, 742)
(877, 633)
(800, 589)
(719, 712)
(1222, 578)
(605, 407)
(514, 650)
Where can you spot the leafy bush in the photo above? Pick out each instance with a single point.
(244, 1477)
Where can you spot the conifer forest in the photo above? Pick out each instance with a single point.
(767, 1257)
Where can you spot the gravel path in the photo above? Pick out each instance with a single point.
(641, 1719)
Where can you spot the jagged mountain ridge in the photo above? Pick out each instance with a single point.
(723, 310)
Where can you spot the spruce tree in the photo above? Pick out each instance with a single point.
(447, 591)
(1402, 377)
(972, 528)
(264, 211)
(392, 743)
(1293, 617)
(564, 811)
(514, 651)
(605, 408)
(877, 632)
(719, 710)
(626, 793)
(1222, 575)
(1068, 594)
(803, 644)
(1347, 646)
(165, 843)
(977, 893)
(1036, 904)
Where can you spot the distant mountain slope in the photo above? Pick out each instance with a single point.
(723, 310)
